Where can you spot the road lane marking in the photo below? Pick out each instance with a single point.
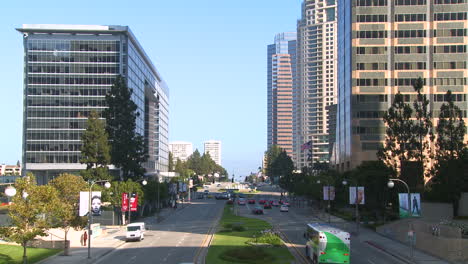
(208, 237)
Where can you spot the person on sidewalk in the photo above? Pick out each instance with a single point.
(85, 238)
(81, 239)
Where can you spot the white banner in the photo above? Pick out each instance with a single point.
(328, 190)
(360, 195)
(95, 203)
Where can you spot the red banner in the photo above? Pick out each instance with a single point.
(134, 202)
(124, 202)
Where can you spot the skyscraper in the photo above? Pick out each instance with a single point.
(68, 71)
(213, 147)
(316, 79)
(383, 47)
(180, 150)
(281, 59)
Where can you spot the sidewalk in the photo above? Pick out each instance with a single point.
(113, 238)
(394, 248)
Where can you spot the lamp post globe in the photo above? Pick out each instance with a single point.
(10, 191)
(344, 182)
(107, 185)
(318, 181)
(144, 182)
(390, 184)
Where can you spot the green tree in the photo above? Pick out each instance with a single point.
(399, 132)
(30, 213)
(194, 162)
(422, 129)
(171, 161)
(68, 187)
(282, 166)
(95, 151)
(127, 146)
(207, 165)
(451, 156)
(271, 155)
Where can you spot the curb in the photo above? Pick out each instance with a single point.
(400, 258)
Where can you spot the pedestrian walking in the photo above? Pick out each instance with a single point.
(81, 239)
(85, 237)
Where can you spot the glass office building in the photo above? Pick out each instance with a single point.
(68, 69)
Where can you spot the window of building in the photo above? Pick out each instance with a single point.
(450, 65)
(372, 34)
(410, 33)
(450, 16)
(450, 49)
(371, 18)
(410, 17)
(410, 2)
(456, 32)
(410, 66)
(371, 2)
(447, 2)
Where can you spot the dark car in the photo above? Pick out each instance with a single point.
(230, 201)
(257, 210)
(262, 201)
(267, 206)
(251, 201)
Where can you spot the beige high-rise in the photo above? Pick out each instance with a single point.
(383, 47)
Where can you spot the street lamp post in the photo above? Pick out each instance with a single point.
(129, 207)
(391, 184)
(356, 202)
(107, 185)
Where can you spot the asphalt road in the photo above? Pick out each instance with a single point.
(177, 239)
(292, 225)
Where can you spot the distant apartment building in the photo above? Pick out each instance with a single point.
(68, 70)
(383, 47)
(10, 169)
(316, 80)
(213, 147)
(180, 150)
(281, 60)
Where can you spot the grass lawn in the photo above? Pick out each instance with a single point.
(234, 242)
(10, 254)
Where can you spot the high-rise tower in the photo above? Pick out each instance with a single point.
(383, 48)
(281, 71)
(316, 79)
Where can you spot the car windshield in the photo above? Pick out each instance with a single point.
(133, 228)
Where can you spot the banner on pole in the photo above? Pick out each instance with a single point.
(405, 207)
(328, 190)
(134, 202)
(124, 202)
(95, 203)
(360, 198)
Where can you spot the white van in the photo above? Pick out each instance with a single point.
(135, 231)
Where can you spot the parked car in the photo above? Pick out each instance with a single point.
(241, 201)
(286, 203)
(257, 210)
(267, 206)
(275, 203)
(251, 201)
(230, 201)
(284, 208)
(262, 201)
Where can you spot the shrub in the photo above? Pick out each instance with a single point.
(267, 237)
(227, 225)
(238, 228)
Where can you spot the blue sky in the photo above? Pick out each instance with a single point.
(211, 53)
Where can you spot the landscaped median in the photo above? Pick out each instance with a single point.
(246, 240)
(12, 254)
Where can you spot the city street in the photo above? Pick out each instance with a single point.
(292, 224)
(177, 239)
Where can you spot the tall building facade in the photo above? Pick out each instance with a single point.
(213, 147)
(383, 47)
(316, 80)
(68, 70)
(281, 59)
(180, 150)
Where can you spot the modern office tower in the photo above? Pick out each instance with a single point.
(213, 147)
(68, 69)
(281, 71)
(383, 47)
(316, 79)
(180, 150)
